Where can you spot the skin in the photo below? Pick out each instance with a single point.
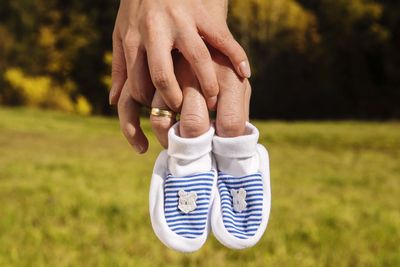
(142, 47)
(232, 108)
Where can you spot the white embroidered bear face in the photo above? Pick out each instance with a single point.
(187, 201)
(239, 199)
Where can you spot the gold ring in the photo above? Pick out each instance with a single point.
(162, 113)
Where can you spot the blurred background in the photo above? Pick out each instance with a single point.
(326, 94)
(313, 59)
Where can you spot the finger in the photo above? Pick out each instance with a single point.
(162, 73)
(128, 113)
(118, 72)
(212, 103)
(160, 125)
(141, 86)
(196, 53)
(232, 107)
(194, 118)
(219, 36)
(139, 82)
(247, 97)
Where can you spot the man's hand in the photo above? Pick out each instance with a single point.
(232, 107)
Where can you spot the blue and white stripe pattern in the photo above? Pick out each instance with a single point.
(192, 224)
(242, 224)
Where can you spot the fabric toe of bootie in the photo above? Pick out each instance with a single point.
(241, 203)
(187, 202)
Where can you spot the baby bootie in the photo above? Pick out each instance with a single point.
(182, 189)
(242, 204)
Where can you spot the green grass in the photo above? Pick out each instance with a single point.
(73, 193)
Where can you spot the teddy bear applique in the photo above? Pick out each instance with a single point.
(239, 199)
(187, 201)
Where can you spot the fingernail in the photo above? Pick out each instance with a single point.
(245, 69)
(111, 96)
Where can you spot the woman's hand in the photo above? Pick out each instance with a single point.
(145, 33)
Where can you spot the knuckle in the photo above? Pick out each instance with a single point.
(199, 55)
(117, 69)
(192, 124)
(211, 89)
(127, 37)
(191, 120)
(231, 125)
(160, 123)
(222, 37)
(128, 131)
(149, 20)
(130, 41)
(142, 96)
(150, 25)
(160, 79)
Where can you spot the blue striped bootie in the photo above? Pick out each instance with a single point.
(242, 204)
(180, 203)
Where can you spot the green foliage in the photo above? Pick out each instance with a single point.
(283, 24)
(68, 201)
(39, 91)
(310, 58)
(60, 41)
(31, 91)
(316, 59)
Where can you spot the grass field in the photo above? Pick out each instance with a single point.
(73, 193)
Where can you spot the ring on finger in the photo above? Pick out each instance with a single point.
(162, 113)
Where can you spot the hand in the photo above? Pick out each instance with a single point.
(144, 34)
(233, 100)
(149, 30)
(194, 118)
(233, 103)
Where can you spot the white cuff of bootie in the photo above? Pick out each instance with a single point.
(237, 147)
(237, 155)
(189, 155)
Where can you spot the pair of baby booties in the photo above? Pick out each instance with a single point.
(210, 183)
